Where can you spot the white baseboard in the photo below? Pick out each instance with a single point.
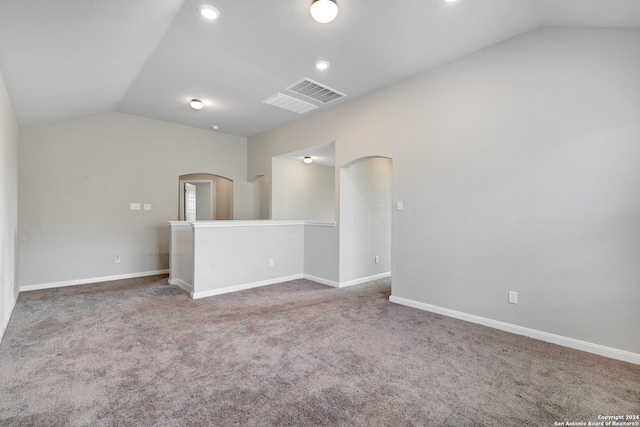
(52, 285)
(7, 318)
(184, 285)
(364, 279)
(601, 350)
(321, 280)
(284, 279)
(244, 286)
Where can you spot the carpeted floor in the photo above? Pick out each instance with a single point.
(141, 353)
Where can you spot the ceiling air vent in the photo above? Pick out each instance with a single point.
(316, 91)
(288, 103)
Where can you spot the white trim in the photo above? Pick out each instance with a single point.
(321, 280)
(52, 285)
(601, 350)
(250, 223)
(244, 286)
(242, 223)
(7, 317)
(181, 283)
(364, 279)
(320, 223)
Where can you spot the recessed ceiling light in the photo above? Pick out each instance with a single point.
(215, 127)
(324, 11)
(209, 11)
(196, 104)
(322, 65)
(307, 159)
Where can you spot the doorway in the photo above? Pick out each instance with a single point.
(190, 197)
(365, 219)
(204, 197)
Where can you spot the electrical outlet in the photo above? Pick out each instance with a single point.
(271, 262)
(377, 259)
(117, 258)
(513, 297)
(399, 205)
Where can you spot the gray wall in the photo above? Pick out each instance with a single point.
(224, 200)
(79, 177)
(204, 200)
(365, 218)
(262, 197)
(519, 168)
(301, 191)
(8, 207)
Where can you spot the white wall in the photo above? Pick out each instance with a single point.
(231, 255)
(79, 177)
(8, 207)
(181, 255)
(519, 168)
(365, 219)
(302, 192)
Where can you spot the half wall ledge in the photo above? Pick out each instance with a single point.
(215, 257)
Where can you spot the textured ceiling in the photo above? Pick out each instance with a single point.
(66, 59)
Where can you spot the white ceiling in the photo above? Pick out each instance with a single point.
(64, 59)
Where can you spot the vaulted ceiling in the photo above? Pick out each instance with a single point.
(65, 59)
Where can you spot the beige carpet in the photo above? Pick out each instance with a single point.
(141, 353)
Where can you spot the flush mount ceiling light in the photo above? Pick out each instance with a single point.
(324, 11)
(196, 104)
(322, 65)
(209, 11)
(308, 160)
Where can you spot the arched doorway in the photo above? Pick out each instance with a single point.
(365, 219)
(210, 197)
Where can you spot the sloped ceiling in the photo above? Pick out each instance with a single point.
(64, 59)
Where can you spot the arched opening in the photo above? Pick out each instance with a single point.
(304, 191)
(203, 197)
(365, 219)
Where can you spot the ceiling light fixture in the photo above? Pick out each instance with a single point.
(322, 65)
(196, 104)
(209, 11)
(307, 159)
(324, 11)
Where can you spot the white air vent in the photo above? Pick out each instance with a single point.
(288, 103)
(316, 91)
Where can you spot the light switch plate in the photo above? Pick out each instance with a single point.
(147, 206)
(134, 206)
